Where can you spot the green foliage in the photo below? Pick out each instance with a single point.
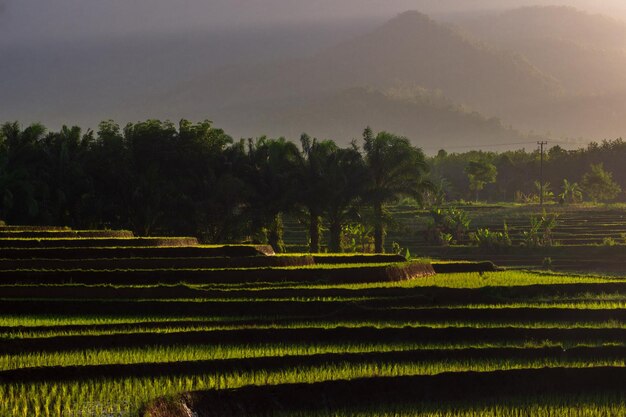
(545, 189)
(534, 197)
(523, 198)
(609, 241)
(357, 238)
(275, 235)
(437, 196)
(311, 184)
(540, 232)
(571, 192)
(450, 225)
(445, 239)
(518, 169)
(489, 240)
(598, 184)
(398, 250)
(193, 179)
(480, 173)
(159, 177)
(395, 168)
(345, 174)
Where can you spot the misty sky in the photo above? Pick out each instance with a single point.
(51, 20)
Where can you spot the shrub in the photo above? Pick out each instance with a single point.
(449, 226)
(357, 237)
(540, 232)
(399, 250)
(598, 184)
(445, 239)
(486, 239)
(609, 241)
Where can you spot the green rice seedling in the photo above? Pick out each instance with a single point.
(132, 393)
(324, 324)
(126, 395)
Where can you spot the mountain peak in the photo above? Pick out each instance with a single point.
(412, 22)
(409, 33)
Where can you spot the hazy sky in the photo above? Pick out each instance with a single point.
(51, 20)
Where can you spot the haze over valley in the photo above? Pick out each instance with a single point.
(444, 74)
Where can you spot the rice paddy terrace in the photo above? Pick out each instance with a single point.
(99, 323)
(585, 238)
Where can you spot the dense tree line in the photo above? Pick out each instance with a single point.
(193, 179)
(157, 177)
(592, 173)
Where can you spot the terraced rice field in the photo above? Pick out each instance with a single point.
(576, 225)
(586, 238)
(167, 331)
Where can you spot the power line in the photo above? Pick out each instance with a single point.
(489, 145)
(483, 145)
(569, 143)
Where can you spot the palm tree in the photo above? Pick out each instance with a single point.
(65, 157)
(317, 159)
(330, 182)
(571, 192)
(274, 164)
(395, 168)
(149, 143)
(546, 189)
(21, 170)
(345, 177)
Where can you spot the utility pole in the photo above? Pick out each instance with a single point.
(541, 144)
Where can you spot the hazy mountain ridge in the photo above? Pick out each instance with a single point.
(411, 49)
(551, 78)
(428, 118)
(132, 78)
(585, 52)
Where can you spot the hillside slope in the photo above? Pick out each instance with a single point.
(409, 50)
(585, 52)
(431, 121)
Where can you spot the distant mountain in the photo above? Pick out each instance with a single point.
(585, 52)
(430, 120)
(542, 69)
(414, 49)
(409, 50)
(131, 77)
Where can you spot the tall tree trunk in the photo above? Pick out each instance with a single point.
(314, 233)
(379, 229)
(275, 235)
(334, 245)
